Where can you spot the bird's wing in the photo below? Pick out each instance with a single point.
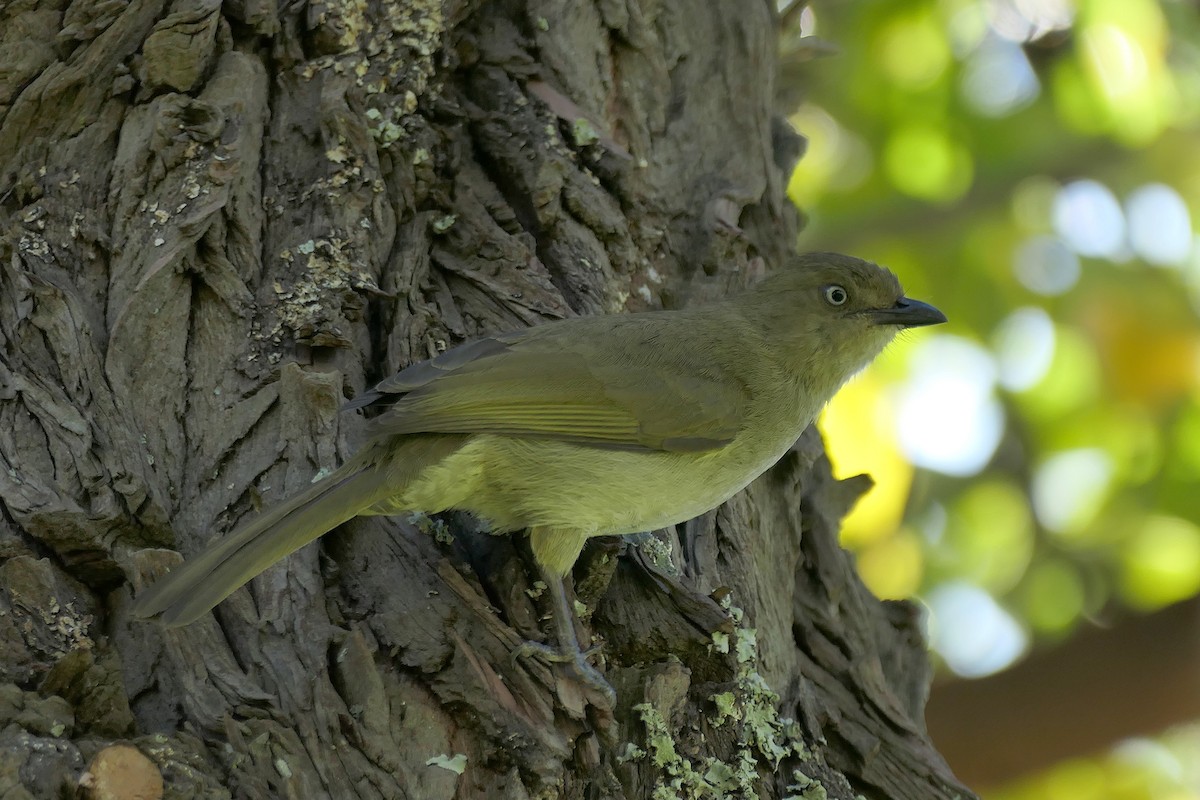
(616, 393)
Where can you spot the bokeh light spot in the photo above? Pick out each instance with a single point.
(1069, 488)
(998, 79)
(1008, 22)
(1076, 780)
(893, 567)
(1073, 380)
(1024, 347)
(1161, 563)
(948, 417)
(1089, 219)
(1153, 758)
(1115, 59)
(990, 535)
(1053, 596)
(970, 630)
(860, 435)
(1025, 20)
(923, 161)
(1044, 264)
(912, 49)
(836, 159)
(966, 28)
(1160, 227)
(1046, 15)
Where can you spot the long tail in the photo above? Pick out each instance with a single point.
(208, 578)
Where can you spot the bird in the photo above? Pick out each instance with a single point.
(583, 427)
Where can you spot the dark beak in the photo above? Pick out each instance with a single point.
(908, 314)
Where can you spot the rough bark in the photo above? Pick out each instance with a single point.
(221, 220)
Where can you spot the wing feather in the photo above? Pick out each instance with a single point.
(547, 382)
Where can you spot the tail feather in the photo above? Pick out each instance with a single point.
(212, 575)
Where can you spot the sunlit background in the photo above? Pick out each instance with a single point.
(1030, 167)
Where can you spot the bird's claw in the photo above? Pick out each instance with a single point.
(584, 672)
(542, 651)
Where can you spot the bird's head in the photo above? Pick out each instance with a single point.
(834, 313)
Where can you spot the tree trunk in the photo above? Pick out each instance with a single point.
(221, 220)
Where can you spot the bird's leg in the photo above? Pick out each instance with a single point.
(568, 651)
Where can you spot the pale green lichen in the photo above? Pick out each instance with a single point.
(431, 526)
(653, 548)
(662, 746)
(456, 764)
(584, 133)
(631, 752)
(682, 781)
(805, 788)
(390, 49)
(721, 775)
(443, 223)
(764, 738)
(330, 266)
(727, 708)
(747, 645)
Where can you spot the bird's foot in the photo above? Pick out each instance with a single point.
(552, 654)
(577, 662)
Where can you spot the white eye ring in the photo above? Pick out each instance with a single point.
(835, 295)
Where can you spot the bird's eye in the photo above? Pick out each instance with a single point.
(835, 295)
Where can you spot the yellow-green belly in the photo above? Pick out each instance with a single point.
(526, 483)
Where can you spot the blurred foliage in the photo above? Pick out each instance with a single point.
(1030, 167)
(1142, 769)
